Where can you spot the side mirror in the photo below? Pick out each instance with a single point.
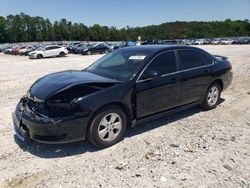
(150, 75)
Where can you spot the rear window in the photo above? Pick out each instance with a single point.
(192, 58)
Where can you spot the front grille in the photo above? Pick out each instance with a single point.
(44, 109)
(59, 111)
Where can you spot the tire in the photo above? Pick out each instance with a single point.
(107, 127)
(212, 97)
(62, 54)
(89, 52)
(39, 56)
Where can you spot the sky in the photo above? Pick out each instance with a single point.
(120, 13)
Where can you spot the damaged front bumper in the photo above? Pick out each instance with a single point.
(28, 125)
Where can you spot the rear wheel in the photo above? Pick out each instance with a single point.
(61, 54)
(39, 56)
(107, 127)
(212, 97)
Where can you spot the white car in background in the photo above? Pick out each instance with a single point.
(26, 50)
(49, 51)
(199, 41)
(215, 41)
(226, 41)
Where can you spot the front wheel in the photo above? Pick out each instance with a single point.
(39, 56)
(212, 97)
(107, 127)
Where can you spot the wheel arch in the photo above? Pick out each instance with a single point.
(218, 81)
(121, 105)
(39, 54)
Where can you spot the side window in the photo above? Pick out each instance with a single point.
(190, 59)
(207, 60)
(164, 64)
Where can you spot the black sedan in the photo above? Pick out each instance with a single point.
(123, 87)
(95, 49)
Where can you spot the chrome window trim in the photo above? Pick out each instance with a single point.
(194, 68)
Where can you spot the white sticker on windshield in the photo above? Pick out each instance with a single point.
(137, 57)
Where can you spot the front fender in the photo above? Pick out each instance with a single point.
(118, 94)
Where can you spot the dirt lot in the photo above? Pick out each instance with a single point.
(194, 148)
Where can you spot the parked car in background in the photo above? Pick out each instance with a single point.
(16, 51)
(80, 48)
(199, 41)
(27, 50)
(207, 41)
(226, 41)
(130, 43)
(119, 45)
(9, 50)
(4, 47)
(188, 42)
(215, 41)
(71, 47)
(75, 47)
(99, 48)
(49, 51)
(111, 46)
(242, 40)
(126, 86)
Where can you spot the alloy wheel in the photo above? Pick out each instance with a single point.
(110, 127)
(213, 95)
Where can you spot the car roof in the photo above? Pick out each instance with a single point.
(52, 45)
(156, 48)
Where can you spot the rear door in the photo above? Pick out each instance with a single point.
(195, 68)
(161, 93)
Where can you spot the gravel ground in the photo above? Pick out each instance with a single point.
(193, 148)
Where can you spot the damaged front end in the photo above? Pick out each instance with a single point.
(57, 119)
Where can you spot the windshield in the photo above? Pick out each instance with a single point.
(120, 65)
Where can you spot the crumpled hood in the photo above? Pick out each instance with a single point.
(51, 84)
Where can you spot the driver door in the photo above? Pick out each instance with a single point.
(161, 91)
(48, 51)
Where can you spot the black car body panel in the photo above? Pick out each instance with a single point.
(157, 94)
(59, 107)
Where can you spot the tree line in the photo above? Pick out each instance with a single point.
(25, 28)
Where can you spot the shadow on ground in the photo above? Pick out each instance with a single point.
(63, 150)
